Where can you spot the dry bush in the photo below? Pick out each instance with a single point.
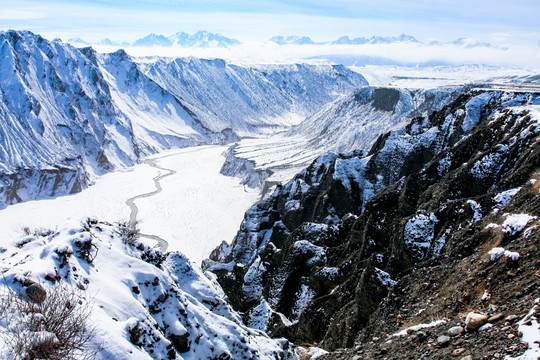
(57, 329)
(129, 232)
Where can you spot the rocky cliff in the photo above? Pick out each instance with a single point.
(361, 244)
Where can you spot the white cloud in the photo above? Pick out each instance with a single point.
(14, 14)
(397, 53)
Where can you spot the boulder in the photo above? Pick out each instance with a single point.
(473, 321)
(443, 340)
(36, 293)
(455, 331)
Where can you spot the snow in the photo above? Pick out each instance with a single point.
(310, 353)
(252, 286)
(531, 334)
(444, 164)
(497, 252)
(490, 164)
(315, 253)
(385, 278)
(132, 295)
(259, 316)
(349, 171)
(477, 210)
(350, 123)
(194, 197)
(474, 111)
(428, 77)
(79, 112)
(514, 223)
(504, 197)
(437, 248)
(419, 327)
(301, 299)
(512, 255)
(419, 232)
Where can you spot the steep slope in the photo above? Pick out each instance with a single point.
(142, 304)
(69, 114)
(66, 117)
(352, 122)
(251, 99)
(326, 248)
(55, 112)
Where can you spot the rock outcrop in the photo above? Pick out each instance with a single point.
(344, 248)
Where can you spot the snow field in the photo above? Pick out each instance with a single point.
(197, 209)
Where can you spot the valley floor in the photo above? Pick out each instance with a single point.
(197, 208)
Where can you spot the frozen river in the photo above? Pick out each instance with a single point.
(191, 205)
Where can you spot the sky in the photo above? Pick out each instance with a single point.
(502, 23)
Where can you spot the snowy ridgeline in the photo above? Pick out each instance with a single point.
(349, 123)
(69, 114)
(142, 304)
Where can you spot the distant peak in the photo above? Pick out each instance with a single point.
(292, 40)
(201, 38)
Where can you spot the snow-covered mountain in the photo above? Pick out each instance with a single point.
(292, 40)
(251, 99)
(345, 40)
(153, 40)
(350, 123)
(68, 114)
(201, 39)
(403, 38)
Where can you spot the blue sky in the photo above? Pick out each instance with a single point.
(258, 20)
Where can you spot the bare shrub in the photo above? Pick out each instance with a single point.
(58, 328)
(129, 232)
(37, 232)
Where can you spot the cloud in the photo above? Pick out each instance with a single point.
(14, 14)
(408, 54)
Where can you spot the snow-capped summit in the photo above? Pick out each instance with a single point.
(202, 39)
(153, 40)
(292, 40)
(78, 42)
(199, 39)
(345, 40)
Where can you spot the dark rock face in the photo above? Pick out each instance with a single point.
(336, 244)
(27, 184)
(385, 99)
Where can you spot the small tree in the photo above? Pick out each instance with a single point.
(59, 328)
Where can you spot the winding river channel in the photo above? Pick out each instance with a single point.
(162, 243)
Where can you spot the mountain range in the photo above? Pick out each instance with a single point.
(200, 39)
(205, 39)
(404, 224)
(362, 250)
(403, 38)
(78, 113)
